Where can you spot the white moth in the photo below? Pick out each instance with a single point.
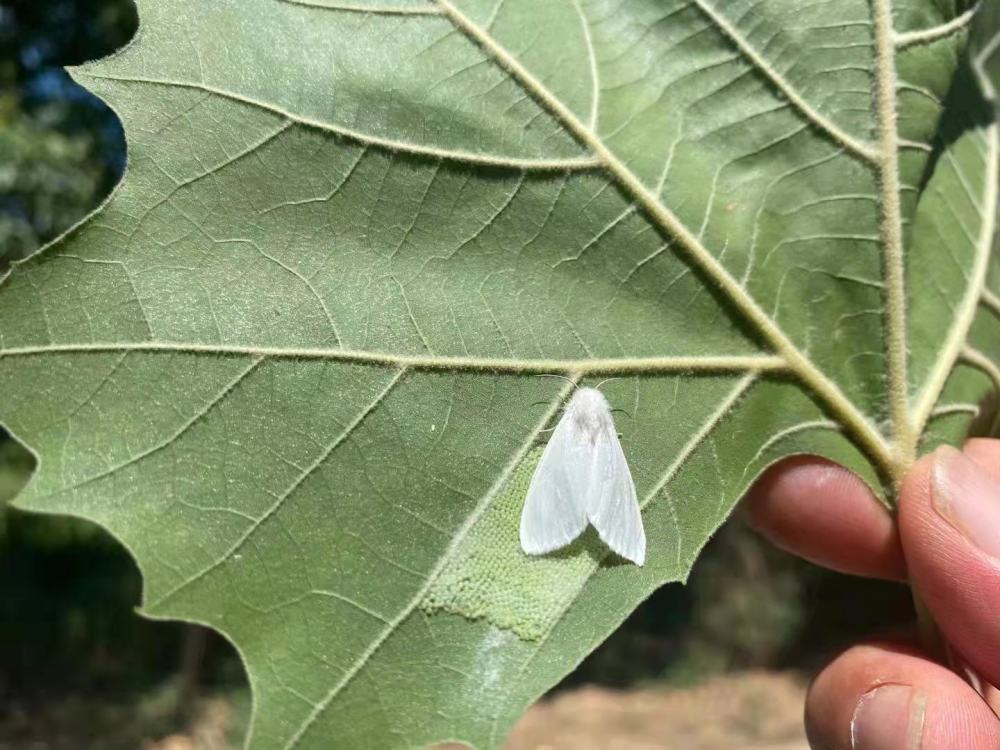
(583, 476)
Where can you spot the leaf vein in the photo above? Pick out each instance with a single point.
(592, 59)
(820, 121)
(976, 291)
(194, 419)
(389, 144)
(933, 33)
(736, 362)
(696, 439)
(828, 391)
(439, 566)
(280, 500)
(378, 10)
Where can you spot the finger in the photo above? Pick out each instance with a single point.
(949, 518)
(818, 510)
(986, 453)
(957, 663)
(883, 697)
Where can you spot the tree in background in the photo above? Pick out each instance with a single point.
(62, 149)
(68, 589)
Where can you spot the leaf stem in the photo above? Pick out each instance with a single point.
(904, 437)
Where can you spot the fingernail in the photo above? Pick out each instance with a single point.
(968, 499)
(890, 717)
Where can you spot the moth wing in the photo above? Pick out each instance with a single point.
(612, 505)
(555, 511)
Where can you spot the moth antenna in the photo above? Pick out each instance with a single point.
(606, 380)
(623, 412)
(561, 377)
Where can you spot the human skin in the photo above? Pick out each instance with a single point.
(945, 541)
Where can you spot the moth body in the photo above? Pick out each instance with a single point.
(583, 477)
(591, 415)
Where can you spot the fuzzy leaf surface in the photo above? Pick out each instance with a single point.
(292, 364)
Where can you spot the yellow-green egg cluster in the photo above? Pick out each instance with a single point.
(490, 577)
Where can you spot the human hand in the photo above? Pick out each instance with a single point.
(890, 695)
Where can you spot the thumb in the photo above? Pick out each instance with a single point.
(949, 521)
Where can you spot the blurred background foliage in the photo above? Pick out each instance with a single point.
(61, 150)
(79, 669)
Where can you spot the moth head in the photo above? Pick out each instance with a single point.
(590, 413)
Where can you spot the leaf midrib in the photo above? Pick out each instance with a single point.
(904, 439)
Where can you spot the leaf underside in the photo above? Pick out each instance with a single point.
(292, 363)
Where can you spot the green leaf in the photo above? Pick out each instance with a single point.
(292, 364)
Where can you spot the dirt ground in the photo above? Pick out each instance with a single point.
(749, 711)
